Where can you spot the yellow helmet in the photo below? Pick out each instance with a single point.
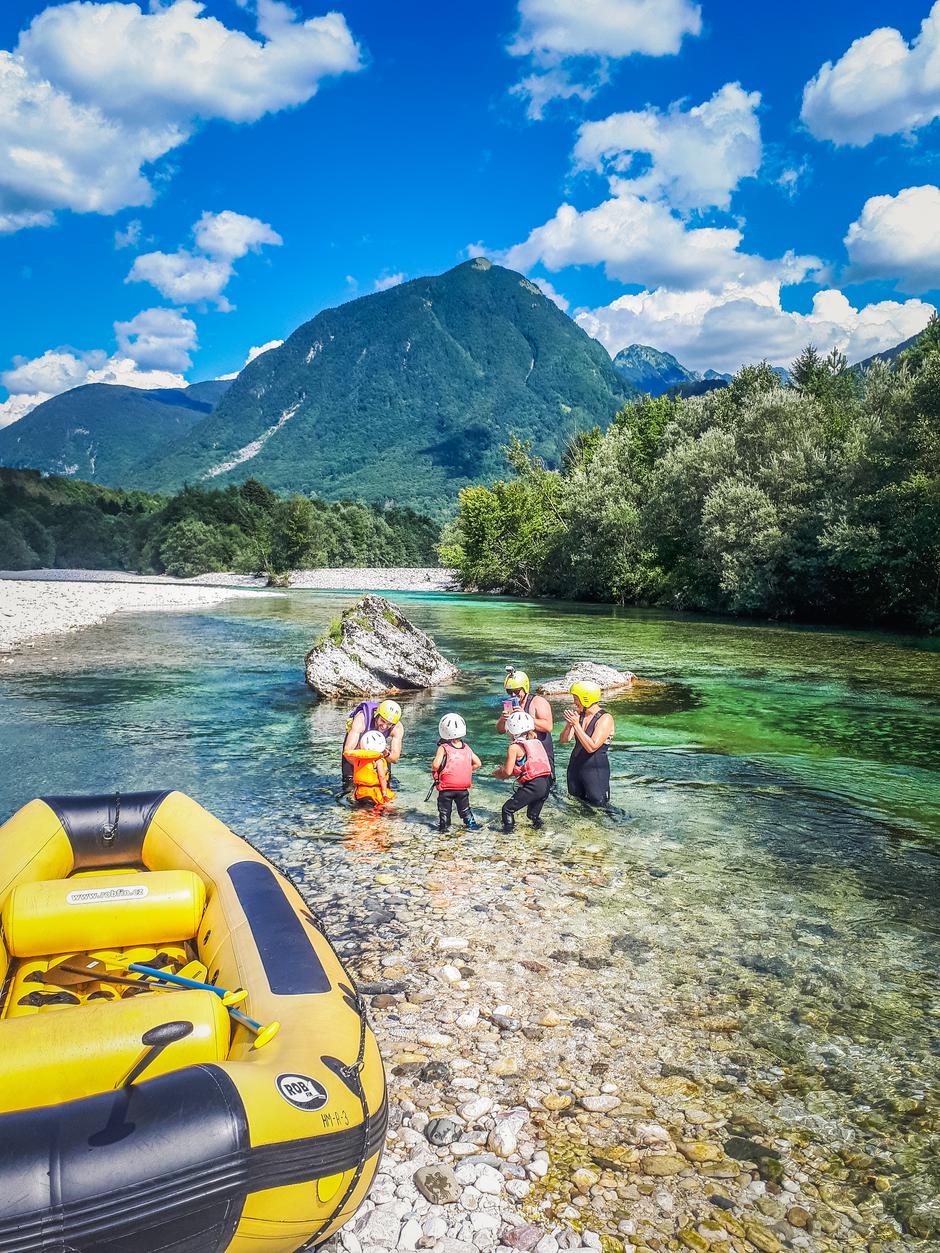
(517, 680)
(587, 693)
(390, 710)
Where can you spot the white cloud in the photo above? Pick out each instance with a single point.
(898, 237)
(548, 290)
(561, 37)
(642, 241)
(697, 156)
(30, 382)
(96, 92)
(252, 353)
(385, 281)
(744, 323)
(130, 236)
(158, 339)
(187, 277)
(880, 86)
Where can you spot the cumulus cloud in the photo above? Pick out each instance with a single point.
(898, 237)
(188, 277)
(696, 156)
(746, 322)
(643, 241)
(881, 86)
(153, 349)
(252, 353)
(548, 290)
(562, 38)
(95, 92)
(385, 281)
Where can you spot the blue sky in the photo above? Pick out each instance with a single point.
(647, 159)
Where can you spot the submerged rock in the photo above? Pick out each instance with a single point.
(609, 680)
(375, 651)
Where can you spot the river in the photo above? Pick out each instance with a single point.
(750, 947)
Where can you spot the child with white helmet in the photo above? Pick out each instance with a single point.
(452, 770)
(370, 778)
(527, 761)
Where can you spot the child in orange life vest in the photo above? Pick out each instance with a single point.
(452, 770)
(370, 771)
(528, 762)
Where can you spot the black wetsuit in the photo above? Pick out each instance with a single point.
(544, 738)
(530, 796)
(589, 773)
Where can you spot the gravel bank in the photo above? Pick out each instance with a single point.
(32, 608)
(345, 578)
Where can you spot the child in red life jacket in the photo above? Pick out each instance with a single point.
(452, 769)
(528, 762)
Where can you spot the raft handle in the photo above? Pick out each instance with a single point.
(155, 1041)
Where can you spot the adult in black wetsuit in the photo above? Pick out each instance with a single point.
(590, 729)
(537, 707)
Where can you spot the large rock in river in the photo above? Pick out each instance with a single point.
(609, 680)
(375, 651)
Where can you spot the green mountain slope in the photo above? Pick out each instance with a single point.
(100, 431)
(404, 395)
(649, 370)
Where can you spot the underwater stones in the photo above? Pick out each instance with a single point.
(375, 651)
(700, 1151)
(609, 680)
(743, 1150)
(762, 1238)
(661, 1165)
(437, 1184)
(601, 1104)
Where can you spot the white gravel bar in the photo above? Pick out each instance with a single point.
(33, 607)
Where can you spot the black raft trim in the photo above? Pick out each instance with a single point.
(290, 961)
(194, 1208)
(106, 831)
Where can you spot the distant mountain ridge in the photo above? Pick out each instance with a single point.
(101, 431)
(405, 395)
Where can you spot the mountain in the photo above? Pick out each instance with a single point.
(404, 395)
(100, 431)
(649, 370)
(889, 354)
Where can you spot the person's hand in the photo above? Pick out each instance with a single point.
(571, 716)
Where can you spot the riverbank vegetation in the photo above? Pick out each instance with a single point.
(817, 500)
(64, 523)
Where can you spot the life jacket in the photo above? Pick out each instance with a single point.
(456, 773)
(366, 778)
(368, 709)
(535, 763)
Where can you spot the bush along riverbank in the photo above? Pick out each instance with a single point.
(64, 523)
(818, 500)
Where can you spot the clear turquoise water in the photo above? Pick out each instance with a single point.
(778, 793)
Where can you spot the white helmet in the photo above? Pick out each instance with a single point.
(373, 742)
(452, 727)
(519, 723)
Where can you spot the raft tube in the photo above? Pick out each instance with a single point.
(218, 1145)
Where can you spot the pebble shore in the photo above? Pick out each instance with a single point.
(548, 1091)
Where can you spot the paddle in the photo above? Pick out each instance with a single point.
(66, 975)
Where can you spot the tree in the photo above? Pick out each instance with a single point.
(192, 547)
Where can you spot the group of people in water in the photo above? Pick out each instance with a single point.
(374, 737)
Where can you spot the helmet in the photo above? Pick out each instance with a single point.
(452, 727)
(517, 680)
(373, 742)
(519, 723)
(587, 693)
(389, 710)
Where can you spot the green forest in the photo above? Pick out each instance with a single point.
(60, 522)
(817, 500)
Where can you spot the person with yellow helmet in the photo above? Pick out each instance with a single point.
(537, 707)
(590, 728)
(373, 715)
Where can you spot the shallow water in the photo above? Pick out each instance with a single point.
(776, 854)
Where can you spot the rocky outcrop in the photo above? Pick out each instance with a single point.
(373, 650)
(610, 681)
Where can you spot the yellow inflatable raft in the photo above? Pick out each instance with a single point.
(139, 1116)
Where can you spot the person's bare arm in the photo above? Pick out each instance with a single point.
(541, 712)
(475, 762)
(393, 752)
(438, 760)
(354, 734)
(571, 721)
(512, 756)
(602, 732)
